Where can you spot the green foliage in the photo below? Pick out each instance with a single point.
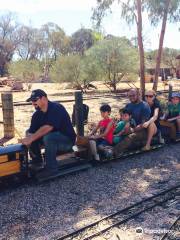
(67, 69)
(156, 9)
(100, 11)
(25, 70)
(114, 59)
(55, 40)
(81, 40)
(75, 69)
(168, 57)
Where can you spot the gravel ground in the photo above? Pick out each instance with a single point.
(151, 225)
(44, 211)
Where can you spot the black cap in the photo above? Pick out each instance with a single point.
(36, 94)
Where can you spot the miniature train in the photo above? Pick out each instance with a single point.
(14, 160)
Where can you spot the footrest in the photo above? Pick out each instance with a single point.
(65, 171)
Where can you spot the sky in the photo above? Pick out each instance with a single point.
(71, 15)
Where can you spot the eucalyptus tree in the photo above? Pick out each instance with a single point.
(131, 12)
(169, 57)
(67, 69)
(30, 45)
(113, 60)
(81, 40)
(162, 10)
(56, 40)
(8, 40)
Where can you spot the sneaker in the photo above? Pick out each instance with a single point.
(97, 157)
(36, 167)
(146, 148)
(108, 154)
(161, 140)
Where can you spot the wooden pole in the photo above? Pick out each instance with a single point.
(79, 113)
(170, 92)
(8, 114)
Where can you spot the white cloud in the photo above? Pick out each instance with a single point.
(33, 6)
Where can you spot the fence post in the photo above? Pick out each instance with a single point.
(170, 92)
(8, 114)
(79, 113)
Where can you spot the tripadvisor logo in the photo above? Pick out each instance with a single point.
(139, 230)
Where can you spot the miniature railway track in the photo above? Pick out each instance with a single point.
(107, 223)
(173, 230)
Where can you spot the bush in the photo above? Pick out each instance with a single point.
(25, 70)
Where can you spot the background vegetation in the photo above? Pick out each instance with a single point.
(48, 54)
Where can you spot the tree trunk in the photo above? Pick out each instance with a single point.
(161, 40)
(141, 47)
(114, 83)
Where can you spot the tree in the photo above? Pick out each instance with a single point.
(81, 40)
(26, 70)
(30, 43)
(169, 57)
(8, 40)
(115, 59)
(162, 10)
(56, 40)
(67, 69)
(132, 12)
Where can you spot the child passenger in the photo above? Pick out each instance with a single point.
(123, 126)
(172, 118)
(102, 134)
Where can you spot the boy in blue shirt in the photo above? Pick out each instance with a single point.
(123, 126)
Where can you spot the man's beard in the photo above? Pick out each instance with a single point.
(37, 108)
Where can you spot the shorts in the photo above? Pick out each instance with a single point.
(102, 141)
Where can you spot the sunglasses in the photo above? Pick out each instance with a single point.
(150, 96)
(132, 95)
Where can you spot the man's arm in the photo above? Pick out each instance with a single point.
(146, 113)
(38, 134)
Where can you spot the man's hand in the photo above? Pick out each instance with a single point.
(26, 141)
(138, 128)
(145, 125)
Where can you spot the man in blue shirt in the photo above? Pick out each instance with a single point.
(50, 126)
(141, 112)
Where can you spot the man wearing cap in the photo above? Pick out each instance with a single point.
(172, 118)
(50, 126)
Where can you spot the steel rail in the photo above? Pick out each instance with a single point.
(171, 228)
(143, 206)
